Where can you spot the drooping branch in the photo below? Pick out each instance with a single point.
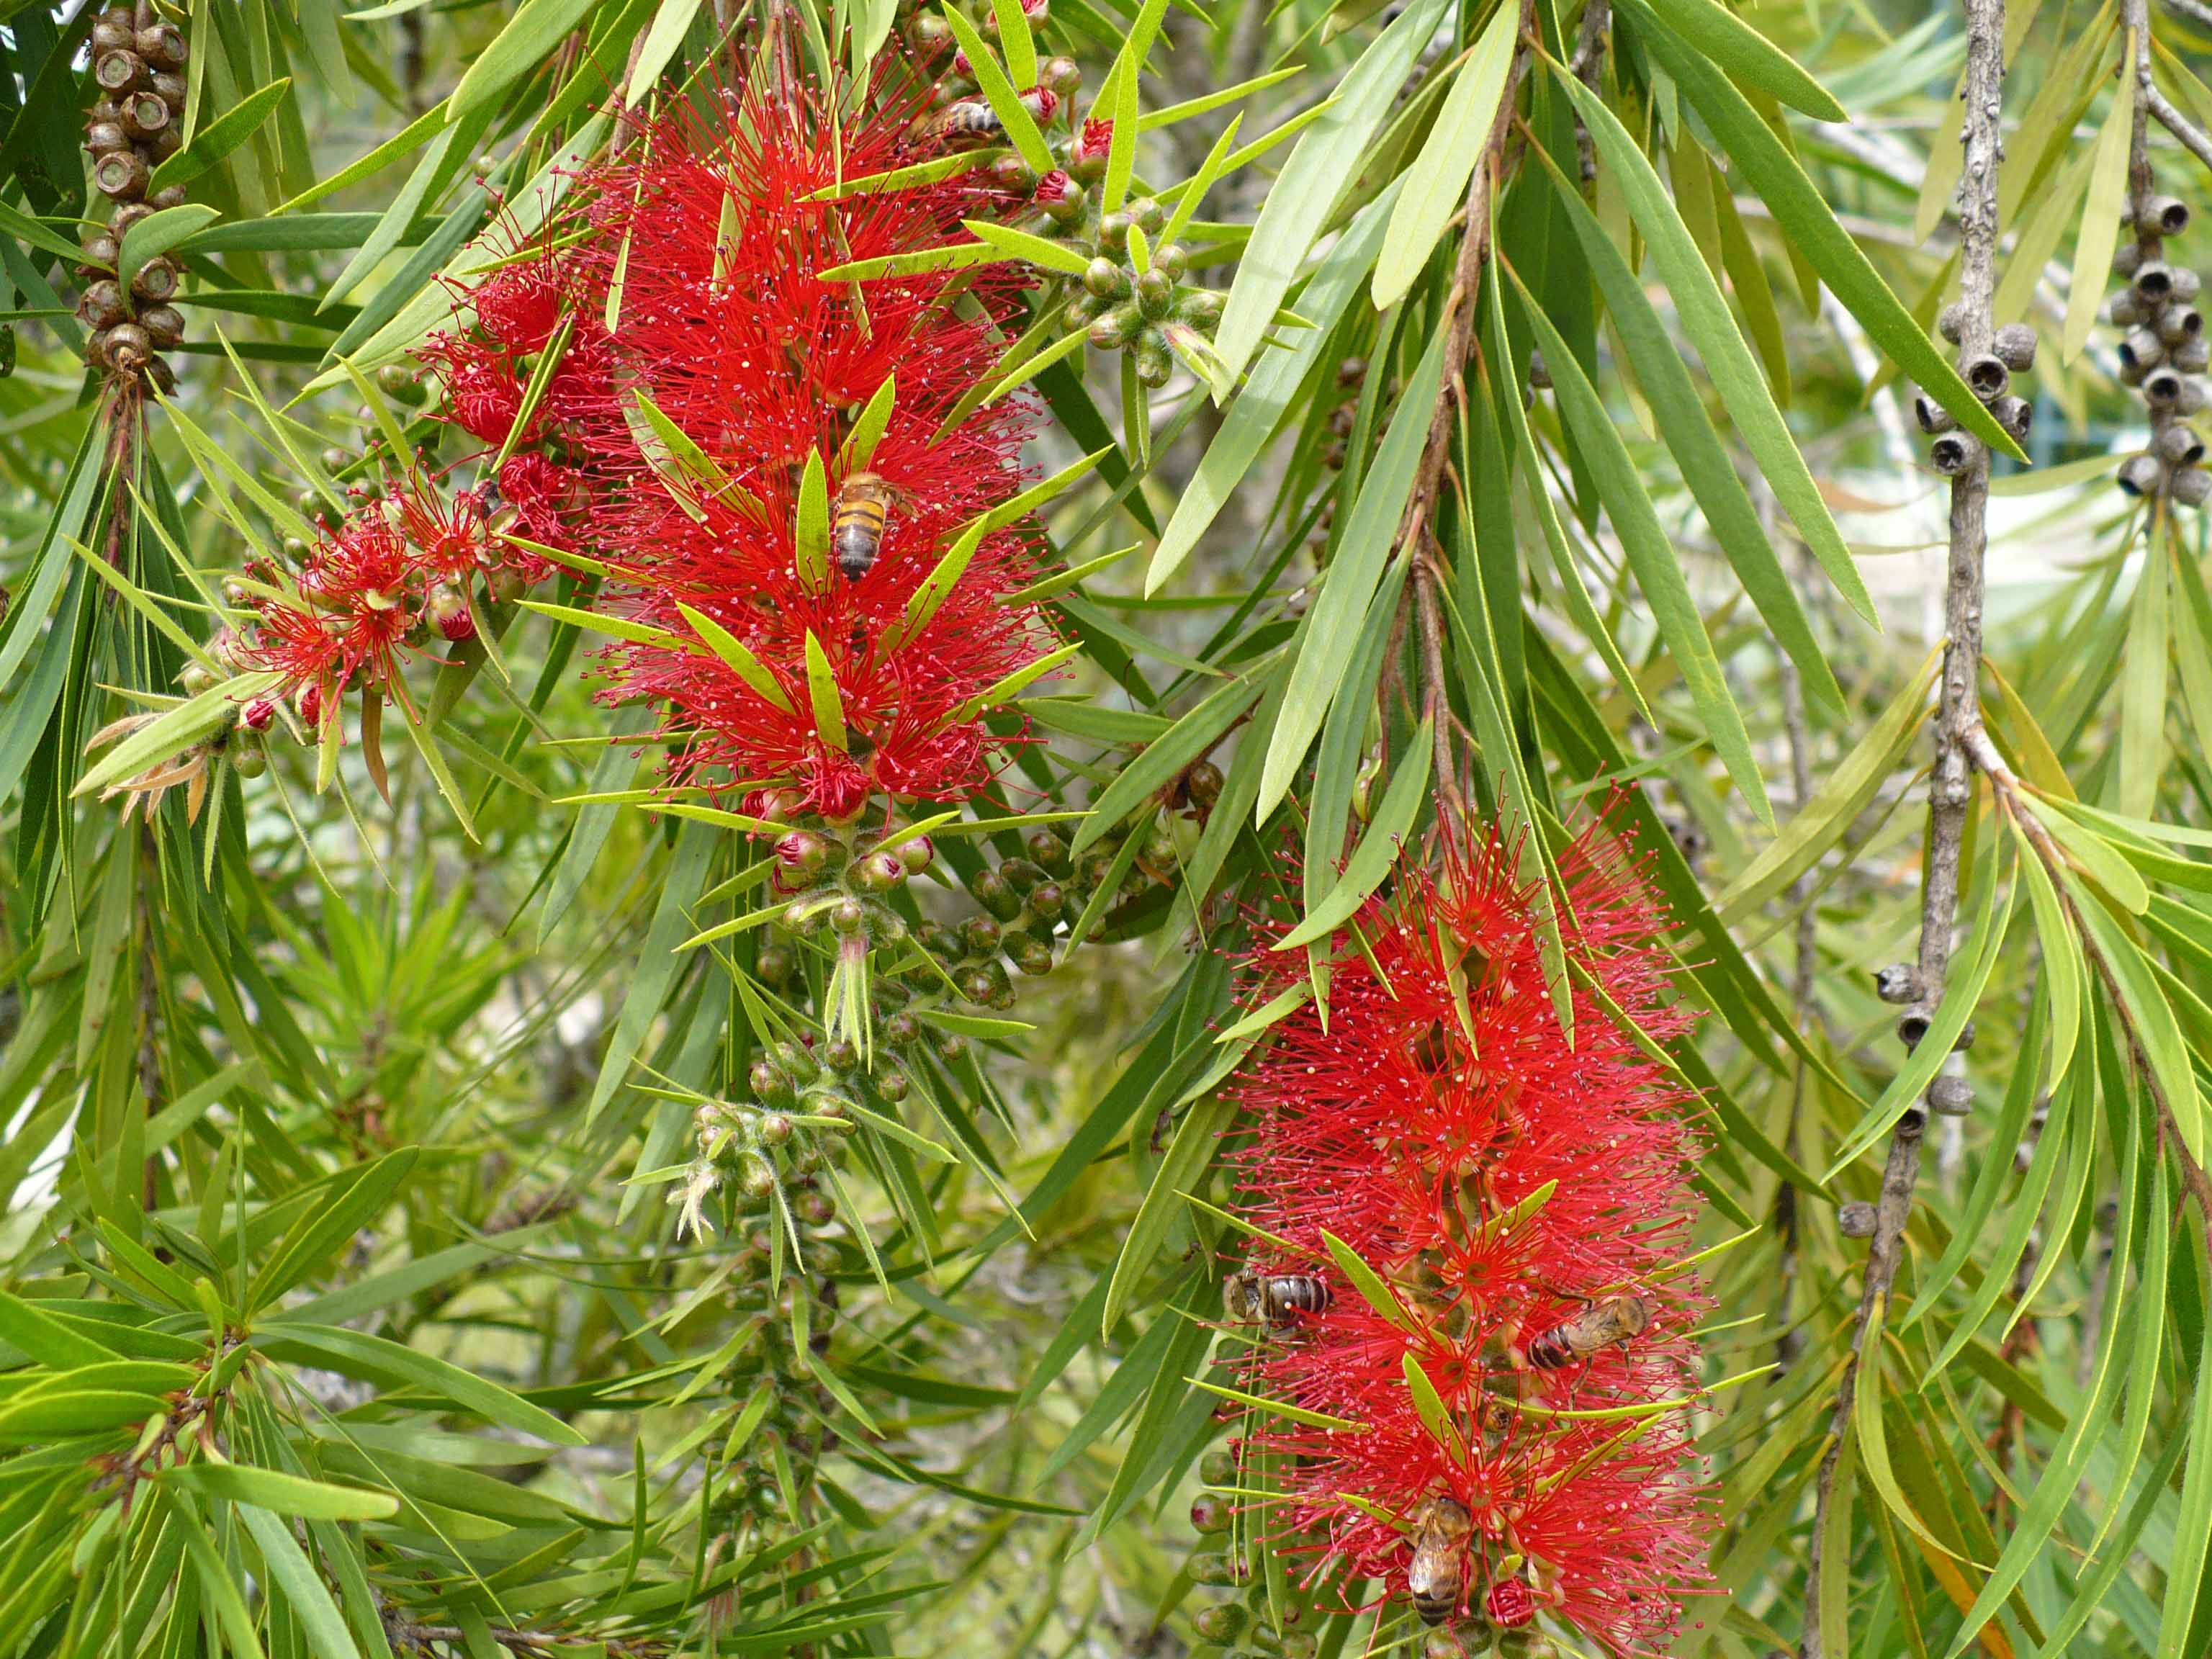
(1951, 791)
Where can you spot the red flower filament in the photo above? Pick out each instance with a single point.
(1526, 1197)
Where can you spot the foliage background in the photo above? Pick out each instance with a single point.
(203, 1047)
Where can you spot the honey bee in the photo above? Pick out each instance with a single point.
(1274, 1298)
(1442, 1527)
(856, 523)
(971, 119)
(1599, 1325)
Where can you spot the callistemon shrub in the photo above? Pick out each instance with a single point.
(771, 463)
(1523, 1199)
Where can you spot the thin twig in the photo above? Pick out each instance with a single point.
(1590, 37)
(1950, 793)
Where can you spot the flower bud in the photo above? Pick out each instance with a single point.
(1103, 277)
(1154, 293)
(995, 894)
(1155, 362)
(1035, 958)
(838, 1054)
(774, 1129)
(1215, 1568)
(894, 1086)
(447, 608)
(1202, 308)
(1048, 902)
(1046, 850)
(1062, 75)
(247, 759)
(1117, 328)
(771, 1083)
(880, 871)
(258, 714)
(900, 1029)
(800, 856)
(1222, 1623)
(1509, 1604)
(848, 916)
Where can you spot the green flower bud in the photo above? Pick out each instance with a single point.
(901, 1030)
(1215, 1568)
(878, 873)
(1149, 215)
(846, 916)
(1047, 901)
(1154, 292)
(940, 941)
(1202, 308)
(916, 854)
(950, 1046)
(893, 1086)
(1171, 259)
(840, 1055)
(1104, 280)
(1155, 362)
(982, 934)
(1048, 850)
(772, 1083)
(774, 965)
(1222, 1624)
(1219, 1468)
(1117, 328)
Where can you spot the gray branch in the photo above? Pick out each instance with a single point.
(1950, 794)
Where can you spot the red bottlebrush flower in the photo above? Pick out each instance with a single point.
(1055, 186)
(447, 534)
(738, 342)
(1527, 1198)
(519, 308)
(483, 394)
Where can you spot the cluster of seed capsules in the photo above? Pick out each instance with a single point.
(1988, 375)
(1132, 296)
(843, 899)
(135, 122)
(2163, 354)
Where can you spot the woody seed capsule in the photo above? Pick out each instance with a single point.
(1855, 1220)
(2191, 486)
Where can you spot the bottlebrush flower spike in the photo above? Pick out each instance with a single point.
(1525, 1199)
(710, 236)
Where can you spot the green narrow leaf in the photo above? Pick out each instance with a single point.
(1437, 182)
(1378, 848)
(2100, 214)
(1332, 628)
(1811, 229)
(358, 1353)
(868, 428)
(1680, 414)
(1651, 556)
(295, 1583)
(1434, 1415)
(1374, 1290)
(530, 36)
(281, 1493)
(1040, 251)
(1001, 92)
(156, 233)
(1736, 373)
(1750, 56)
(219, 137)
(821, 695)
(1327, 156)
(810, 545)
(741, 662)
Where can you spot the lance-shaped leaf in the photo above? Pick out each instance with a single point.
(1651, 556)
(1330, 633)
(1374, 1290)
(811, 529)
(1327, 157)
(821, 695)
(1039, 250)
(999, 92)
(742, 662)
(1436, 184)
(869, 426)
(1378, 848)
(1435, 1416)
